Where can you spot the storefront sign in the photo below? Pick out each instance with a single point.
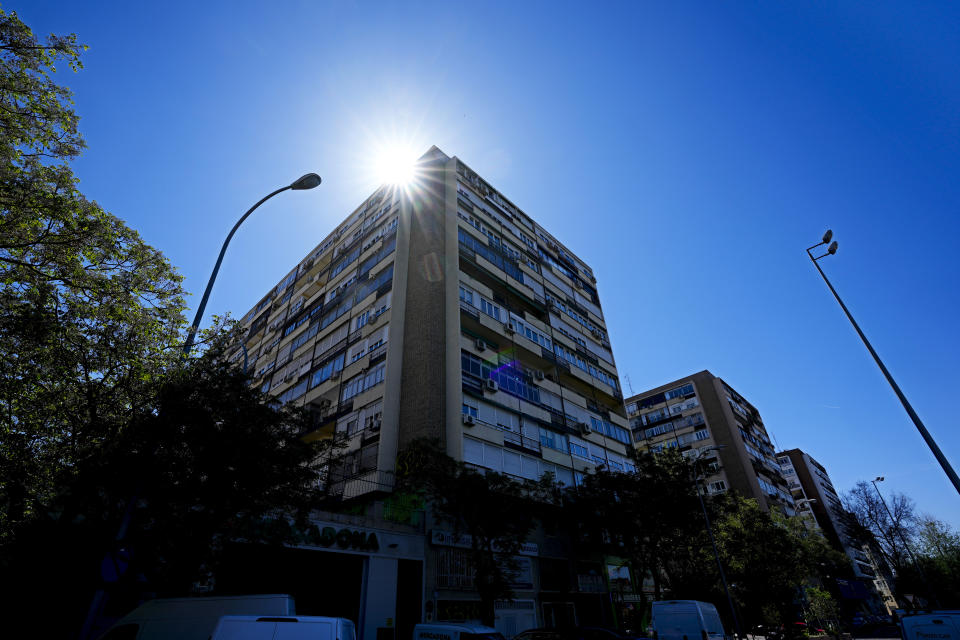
(447, 539)
(347, 539)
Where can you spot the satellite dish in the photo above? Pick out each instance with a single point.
(827, 236)
(832, 249)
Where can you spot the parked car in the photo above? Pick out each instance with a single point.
(942, 625)
(686, 620)
(193, 618)
(573, 633)
(455, 632)
(283, 628)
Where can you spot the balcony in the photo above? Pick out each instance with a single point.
(523, 443)
(362, 483)
(469, 310)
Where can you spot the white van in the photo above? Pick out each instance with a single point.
(686, 620)
(193, 618)
(944, 625)
(283, 628)
(455, 632)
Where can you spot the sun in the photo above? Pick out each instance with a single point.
(395, 165)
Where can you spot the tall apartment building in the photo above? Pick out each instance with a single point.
(810, 485)
(445, 311)
(702, 411)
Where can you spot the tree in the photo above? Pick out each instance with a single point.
(938, 553)
(889, 531)
(214, 463)
(823, 608)
(768, 559)
(650, 518)
(90, 312)
(495, 512)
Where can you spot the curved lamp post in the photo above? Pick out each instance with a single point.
(308, 181)
(937, 453)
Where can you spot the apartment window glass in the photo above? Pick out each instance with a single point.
(579, 449)
(489, 308)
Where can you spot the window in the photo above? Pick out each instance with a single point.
(489, 308)
(360, 383)
(492, 254)
(509, 376)
(362, 319)
(681, 391)
(335, 365)
(470, 410)
(718, 486)
(466, 295)
(553, 440)
(293, 392)
(579, 449)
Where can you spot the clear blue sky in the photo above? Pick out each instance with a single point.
(688, 151)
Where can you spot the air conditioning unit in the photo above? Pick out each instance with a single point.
(490, 385)
(538, 375)
(508, 329)
(335, 375)
(324, 403)
(578, 284)
(480, 344)
(375, 425)
(469, 420)
(372, 319)
(585, 428)
(596, 334)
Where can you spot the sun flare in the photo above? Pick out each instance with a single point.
(395, 165)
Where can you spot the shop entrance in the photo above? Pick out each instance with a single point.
(323, 583)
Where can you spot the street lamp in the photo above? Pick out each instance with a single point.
(307, 181)
(832, 249)
(896, 528)
(706, 519)
(304, 182)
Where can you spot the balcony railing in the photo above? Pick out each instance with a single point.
(519, 441)
(359, 484)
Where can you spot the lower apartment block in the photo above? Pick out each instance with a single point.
(704, 417)
(441, 310)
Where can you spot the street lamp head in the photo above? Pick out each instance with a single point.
(827, 236)
(308, 181)
(878, 479)
(832, 249)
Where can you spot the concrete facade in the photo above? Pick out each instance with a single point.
(701, 411)
(443, 310)
(810, 483)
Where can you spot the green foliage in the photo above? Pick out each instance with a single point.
(823, 609)
(495, 510)
(212, 463)
(651, 518)
(768, 559)
(937, 547)
(89, 311)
